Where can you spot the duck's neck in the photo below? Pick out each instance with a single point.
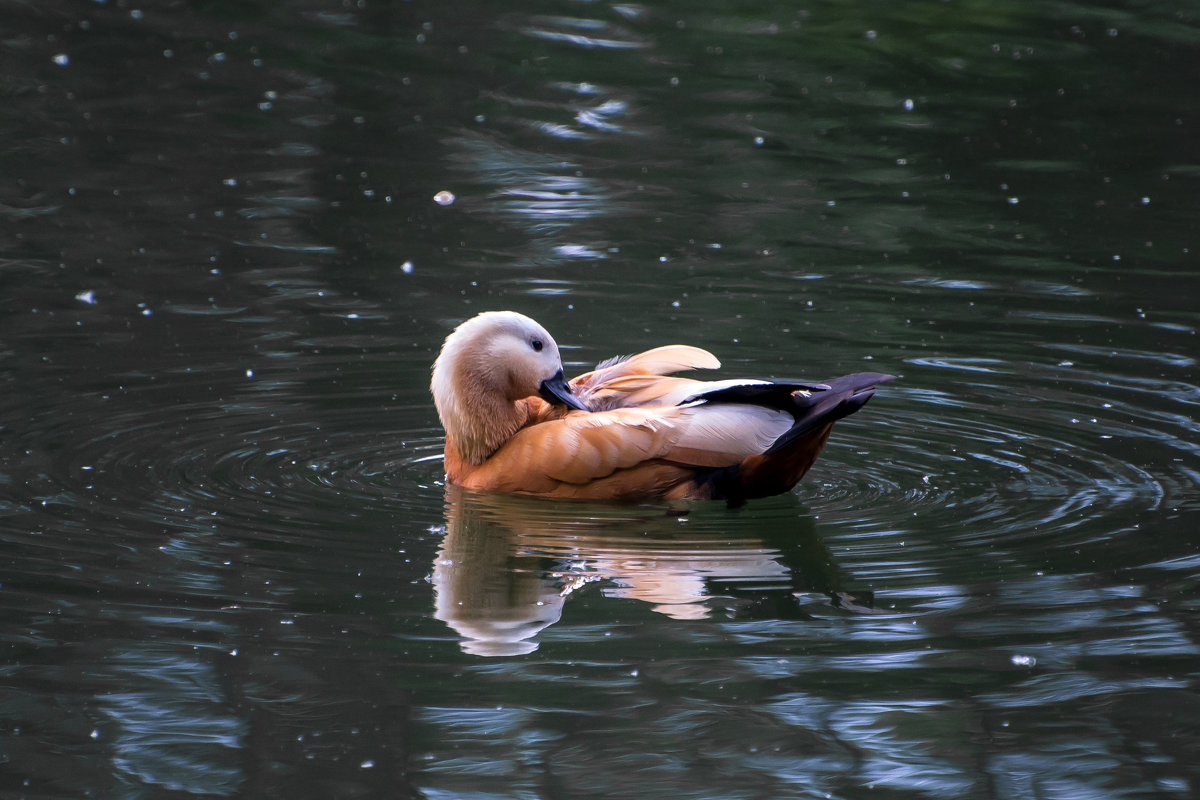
(482, 424)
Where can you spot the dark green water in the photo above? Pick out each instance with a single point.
(230, 567)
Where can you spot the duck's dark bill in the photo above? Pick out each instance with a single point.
(557, 391)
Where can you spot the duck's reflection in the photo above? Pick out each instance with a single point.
(507, 565)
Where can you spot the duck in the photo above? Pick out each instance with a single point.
(630, 429)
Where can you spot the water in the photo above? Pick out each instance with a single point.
(231, 568)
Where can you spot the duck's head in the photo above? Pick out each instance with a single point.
(495, 356)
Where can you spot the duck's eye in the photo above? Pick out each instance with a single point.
(537, 345)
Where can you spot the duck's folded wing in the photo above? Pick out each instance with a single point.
(584, 448)
(639, 380)
(651, 364)
(664, 360)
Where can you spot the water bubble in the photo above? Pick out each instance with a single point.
(909, 105)
(444, 198)
(62, 59)
(1023, 660)
(407, 267)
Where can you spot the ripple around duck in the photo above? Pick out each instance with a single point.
(992, 468)
(273, 469)
(985, 468)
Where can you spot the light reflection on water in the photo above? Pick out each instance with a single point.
(231, 565)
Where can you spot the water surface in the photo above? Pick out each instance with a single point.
(231, 567)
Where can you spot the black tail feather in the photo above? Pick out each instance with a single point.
(791, 455)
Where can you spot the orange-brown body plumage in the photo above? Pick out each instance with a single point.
(628, 429)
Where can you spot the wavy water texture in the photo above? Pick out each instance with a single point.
(236, 235)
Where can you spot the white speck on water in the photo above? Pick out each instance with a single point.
(95, 733)
(675, 304)
(367, 764)
(1066, 363)
(230, 182)
(249, 373)
(909, 105)
(1023, 660)
(407, 267)
(871, 34)
(758, 140)
(88, 297)
(1145, 201)
(444, 198)
(136, 13)
(168, 53)
(1012, 201)
(62, 59)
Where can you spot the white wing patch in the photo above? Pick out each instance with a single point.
(741, 430)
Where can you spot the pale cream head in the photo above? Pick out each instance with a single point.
(486, 364)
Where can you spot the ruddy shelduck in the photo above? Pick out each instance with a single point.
(627, 429)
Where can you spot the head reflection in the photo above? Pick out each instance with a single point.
(507, 565)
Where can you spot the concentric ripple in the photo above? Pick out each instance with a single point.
(1061, 466)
